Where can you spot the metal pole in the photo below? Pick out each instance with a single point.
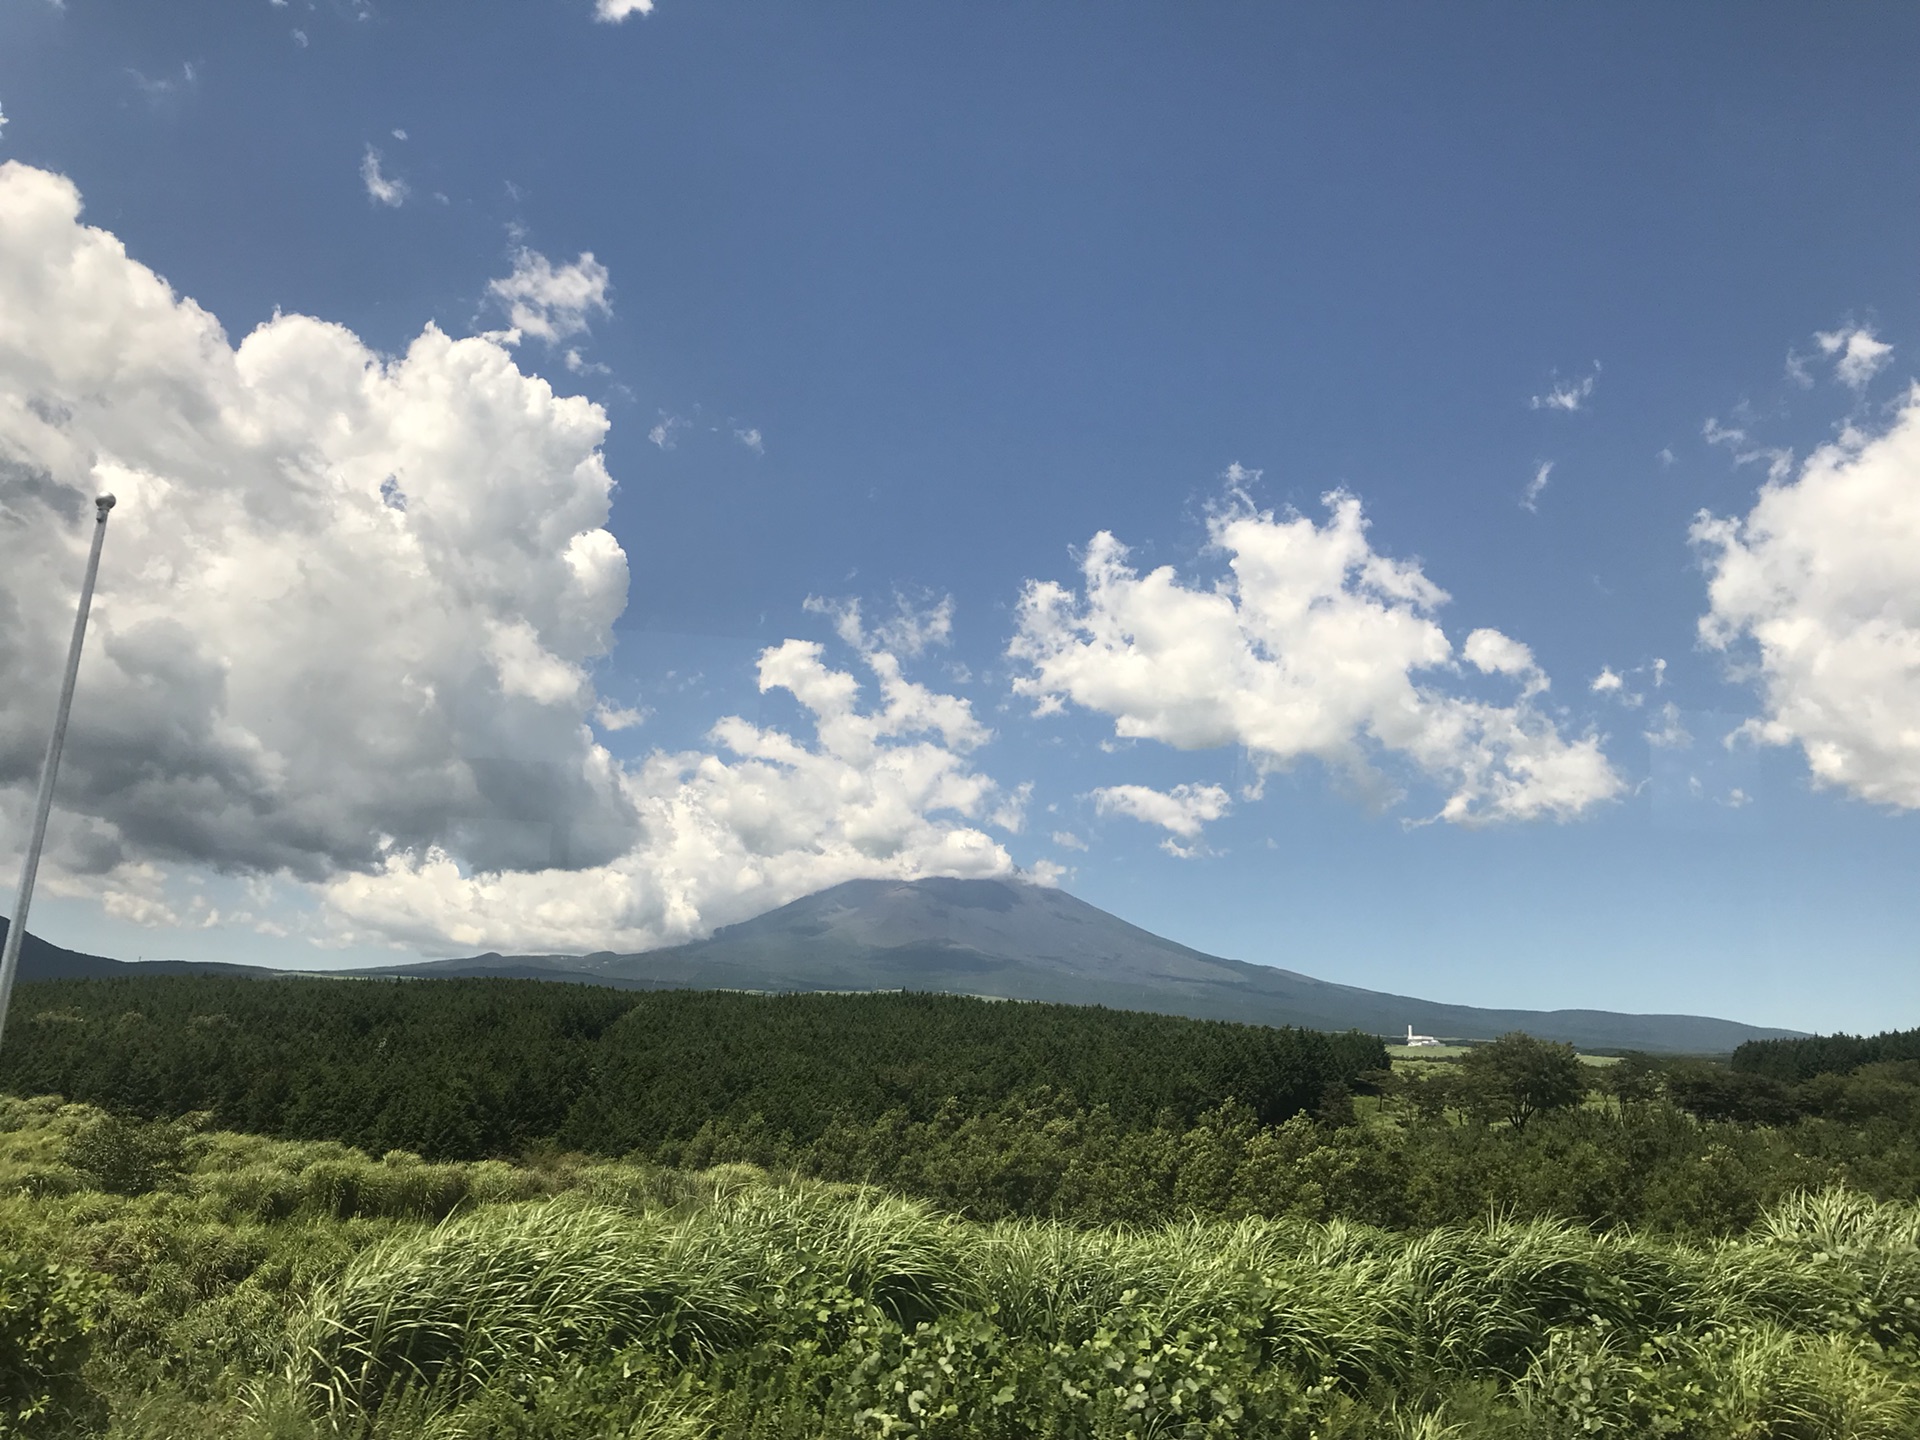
(17, 927)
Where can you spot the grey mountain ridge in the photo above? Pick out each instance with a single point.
(1018, 941)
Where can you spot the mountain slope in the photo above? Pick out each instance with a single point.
(1029, 942)
(43, 960)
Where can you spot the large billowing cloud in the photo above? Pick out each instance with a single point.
(345, 630)
(725, 836)
(344, 597)
(1820, 580)
(1315, 646)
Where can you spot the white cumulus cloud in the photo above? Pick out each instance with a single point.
(344, 596)
(881, 789)
(1183, 810)
(347, 620)
(1313, 646)
(552, 301)
(1819, 583)
(612, 12)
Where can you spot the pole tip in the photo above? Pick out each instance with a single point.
(105, 502)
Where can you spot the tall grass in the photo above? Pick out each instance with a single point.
(1286, 1324)
(300, 1291)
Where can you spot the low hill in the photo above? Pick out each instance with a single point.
(1019, 941)
(43, 960)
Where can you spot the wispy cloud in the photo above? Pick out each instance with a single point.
(1010, 814)
(1530, 500)
(160, 89)
(666, 432)
(750, 437)
(382, 189)
(1779, 461)
(911, 630)
(1567, 395)
(1858, 355)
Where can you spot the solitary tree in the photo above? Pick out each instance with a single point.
(1517, 1077)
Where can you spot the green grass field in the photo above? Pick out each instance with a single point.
(1454, 1052)
(160, 1283)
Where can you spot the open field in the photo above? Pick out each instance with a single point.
(1454, 1052)
(206, 1283)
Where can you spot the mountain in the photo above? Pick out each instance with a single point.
(1013, 940)
(42, 960)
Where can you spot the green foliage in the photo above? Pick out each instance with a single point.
(1794, 1061)
(127, 1157)
(462, 1069)
(882, 1216)
(1518, 1077)
(279, 1290)
(47, 1313)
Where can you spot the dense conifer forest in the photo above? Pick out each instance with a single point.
(1799, 1060)
(466, 1069)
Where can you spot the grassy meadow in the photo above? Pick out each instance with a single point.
(480, 1209)
(167, 1280)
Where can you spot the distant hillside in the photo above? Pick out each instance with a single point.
(1029, 942)
(41, 960)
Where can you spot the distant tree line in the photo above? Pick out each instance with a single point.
(464, 1069)
(1793, 1061)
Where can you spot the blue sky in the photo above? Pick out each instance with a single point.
(905, 306)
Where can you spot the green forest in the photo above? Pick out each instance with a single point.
(497, 1208)
(466, 1069)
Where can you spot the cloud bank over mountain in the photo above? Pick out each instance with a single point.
(884, 791)
(351, 609)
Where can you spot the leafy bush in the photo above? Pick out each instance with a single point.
(127, 1157)
(47, 1314)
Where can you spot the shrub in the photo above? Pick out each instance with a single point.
(127, 1157)
(47, 1314)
